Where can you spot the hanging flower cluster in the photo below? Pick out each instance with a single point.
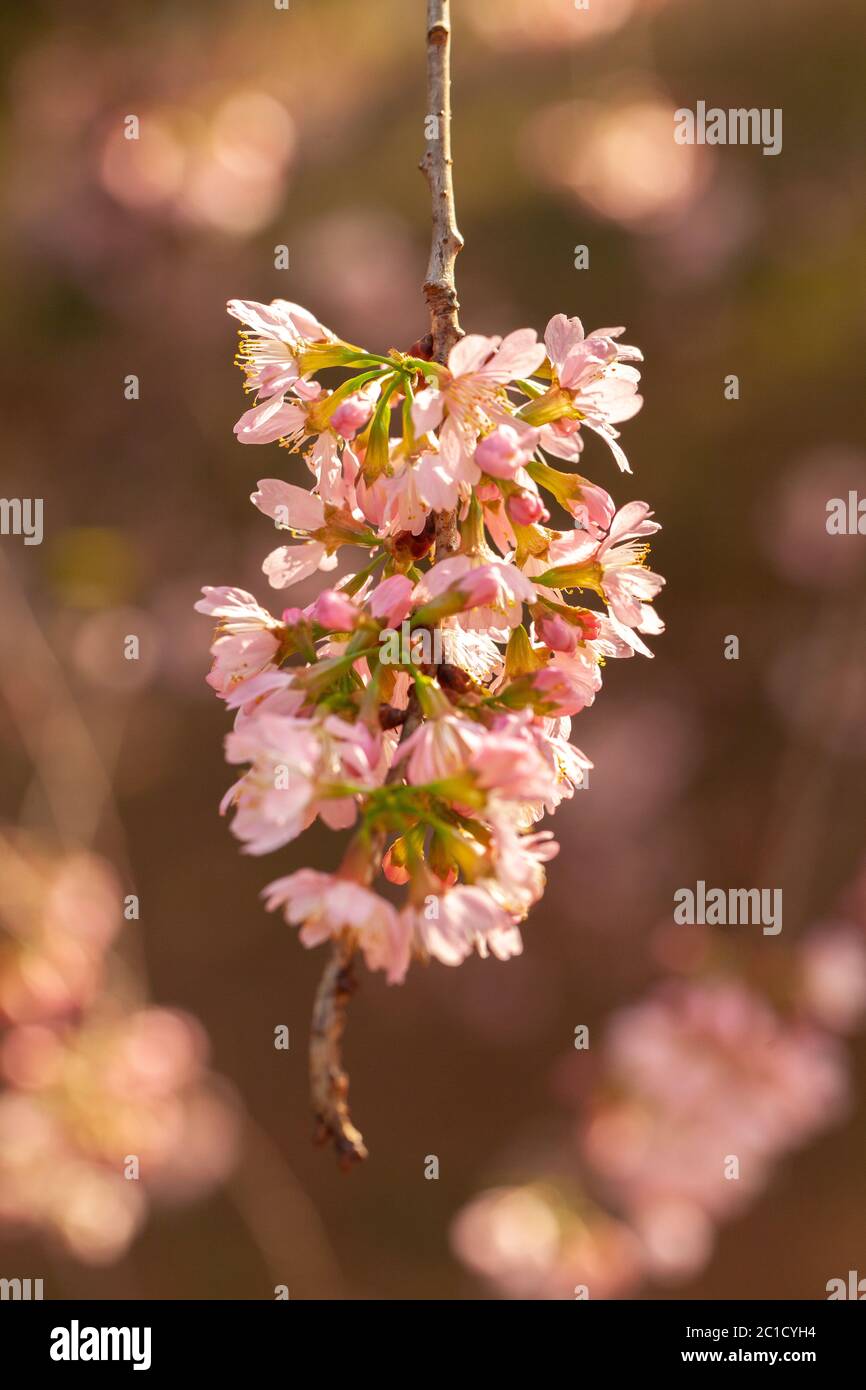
(426, 699)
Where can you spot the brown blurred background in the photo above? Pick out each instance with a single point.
(303, 128)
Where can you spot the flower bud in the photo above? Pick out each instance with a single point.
(502, 452)
(557, 633)
(391, 601)
(590, 624)
(395, 862)
(479, 586)
(350, 416)
(486, 491)
(333, 610)
(526, 508)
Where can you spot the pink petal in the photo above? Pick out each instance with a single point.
(289, 505)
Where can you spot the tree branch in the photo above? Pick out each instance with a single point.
(440, 290)
(329, 1083)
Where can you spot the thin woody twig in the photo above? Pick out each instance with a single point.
(329, 1082)
(439, 287)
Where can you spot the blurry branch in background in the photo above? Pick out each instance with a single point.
(281, 1217)
(51, 727)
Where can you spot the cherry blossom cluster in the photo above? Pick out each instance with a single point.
(702, 1089)
(442, 768)
(92, 1082)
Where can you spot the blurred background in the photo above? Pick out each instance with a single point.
(140, 979)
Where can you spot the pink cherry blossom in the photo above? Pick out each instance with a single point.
(474, 652)
(614, 566)
(702, 1070)
(351, 415)
(627, 585)
(832, 975)
(391, 601)
(519, 877)
(238, 657)
(564, 687)
(325, 906)
(277, 686)
(592, 507)
(510, 765)
(245, 644)
(504, 452)
(568, 765)
(441, 748)
(479, 587)
(556, 632)
(334, 610)
(504, 611)
(527, 1243)
(462, 920)
(422, 485)
(289, 564)
(596, 374)
(295, 763)
(288, 506)
(471, 395)
(272, 420)
(291, 508)
(526, 508)
(279, 333)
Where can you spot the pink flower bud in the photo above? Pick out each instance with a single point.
(501, 453)
(487, 491)
(293, 616)
(480, 586)
(590, 624)
(350, 415)
(592, 507)
(526, 508)
(391, 601)
(557, 633)
(562, 695)
(335, 611)
(394, 872)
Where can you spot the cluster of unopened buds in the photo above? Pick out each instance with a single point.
(445, 748)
